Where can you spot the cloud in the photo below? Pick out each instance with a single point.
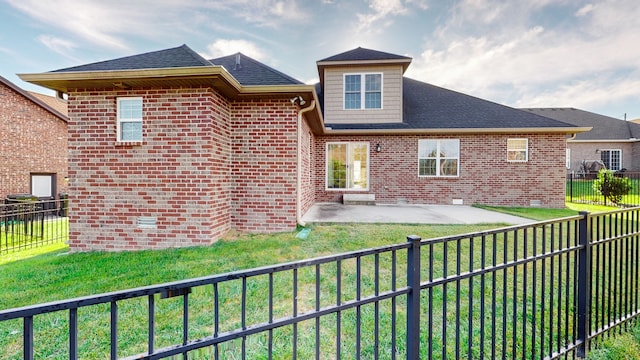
(576, 60)
(60, 46)
(224, 47)
(115, 24)
(382, 10)
(585, 10)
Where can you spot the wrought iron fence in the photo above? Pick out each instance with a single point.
(546, 290)
(580, 189)
(29, 223)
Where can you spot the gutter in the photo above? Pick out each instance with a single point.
(299, 162)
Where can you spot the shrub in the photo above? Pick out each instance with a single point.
(610, 186)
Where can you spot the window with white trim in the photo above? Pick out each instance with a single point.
(518, 150)
(363, 91)
(439, 157)
(612, 159)
(129, 127)
(348, 166)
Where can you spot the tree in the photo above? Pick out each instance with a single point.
(611, 187)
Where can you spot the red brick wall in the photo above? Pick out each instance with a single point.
(264, 165)
(485, 175)
(179, 174)
(32, 140)
(307, 168)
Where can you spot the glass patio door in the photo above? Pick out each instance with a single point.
(348, 166)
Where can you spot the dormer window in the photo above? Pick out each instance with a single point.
(363, 91)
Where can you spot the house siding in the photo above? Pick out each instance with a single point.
(581, 151)
(485, 175)
(391, 111)
(33, 141)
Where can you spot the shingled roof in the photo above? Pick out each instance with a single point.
(181, 56)
(360, 54)
(604, 127)
(426, 106)
(252, 72)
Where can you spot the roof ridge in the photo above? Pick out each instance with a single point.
(194, 54)
(273, 70)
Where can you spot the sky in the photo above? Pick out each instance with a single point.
(535, 53)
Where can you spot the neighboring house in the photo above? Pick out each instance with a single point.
(33, 143)
(170, 149)
(614, 142)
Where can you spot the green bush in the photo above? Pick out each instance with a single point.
(611, 186)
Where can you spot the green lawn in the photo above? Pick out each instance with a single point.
(58, 275)
(582, 191)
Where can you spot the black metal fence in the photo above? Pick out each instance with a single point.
(579, 189)
(27, 223)
(546, 290)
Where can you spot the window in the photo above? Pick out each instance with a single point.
(348, 166)
(612, 159)
(439, 157)
(129, 119)
(363, 91)
(517, 150)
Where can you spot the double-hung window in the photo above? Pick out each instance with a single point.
(348, 166)
(439, 157)
(363, 91)
(612, 159)
(517, 150)
(129, 127)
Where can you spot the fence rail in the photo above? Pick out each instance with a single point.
(546, 290)
(27, 224)
(579, 189)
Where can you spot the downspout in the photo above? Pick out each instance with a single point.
(299, 161)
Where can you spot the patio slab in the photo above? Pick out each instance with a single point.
(407, 214)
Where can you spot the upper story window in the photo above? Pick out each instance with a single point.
(518, 150)
(363, 91)
(439, 157)
(129, 119)
(612, 159)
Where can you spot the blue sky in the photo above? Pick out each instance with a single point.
(536, 53)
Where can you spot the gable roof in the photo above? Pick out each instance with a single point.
(362, 54)
(431, 108)
(604, 127)
(252, 72)
(60, 111)
(56, 103)
(181, 56)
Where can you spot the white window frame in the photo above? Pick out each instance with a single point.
(439, 159)
(518, 150)
(348, 179)
(363, 90)
(127, 120)
(610, 151)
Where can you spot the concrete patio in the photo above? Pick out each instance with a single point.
(407, 214)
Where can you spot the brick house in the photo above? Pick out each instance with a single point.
(613, 141)
(170, 149)
(33, 144)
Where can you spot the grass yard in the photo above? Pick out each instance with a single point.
(58, 275)
(582, 191)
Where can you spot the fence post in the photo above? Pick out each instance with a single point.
(413, 299)
(571, 187)
(584, 284)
